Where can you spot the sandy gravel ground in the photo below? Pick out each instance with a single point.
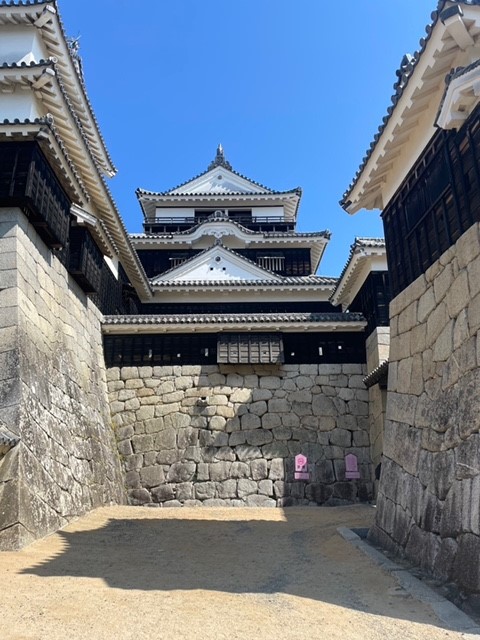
(264, 574)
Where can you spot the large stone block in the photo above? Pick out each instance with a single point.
(217, 423)
(323, 406)
(241, 395)
(260, 501)
(250, 421)
(262, 394)
(152, 476)
(220, 439)
(270, 382)
(258, 408)
(240, 470)
(444, 562)
(163, 493)
(258, 469)
(318, 492)
(324, 472)
(290, 420)
(205, 490)
(236, 438)
(181, 472)
(271, 420)
(165, 439)
(220, 471)
(142, 443)
(468, 246)
(246, 487)
(345, 491)
(341, 438)
(265, 487)
(140, 496)
(258, 437)
(227, 489)
(187, 437)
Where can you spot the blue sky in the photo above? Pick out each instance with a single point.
(293, 90)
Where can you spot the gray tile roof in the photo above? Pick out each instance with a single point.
(26, 3)
(265, 234)
(234, 318)
(456, 73)
(358, 244)
(404, 73)
(284, 282)
(380, 374)
(219, 160)
(143, 192)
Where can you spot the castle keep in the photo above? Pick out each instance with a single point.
(240, 361)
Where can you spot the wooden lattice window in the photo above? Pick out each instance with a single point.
(250, 348)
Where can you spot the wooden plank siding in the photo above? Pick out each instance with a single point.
(250, 348)
(202, 348)
(438, 201)
(27, 181)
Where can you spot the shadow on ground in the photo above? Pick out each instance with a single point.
(299, 555)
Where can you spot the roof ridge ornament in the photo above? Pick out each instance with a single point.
(74, 49)
(220, 160)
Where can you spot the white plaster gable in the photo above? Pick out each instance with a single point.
(217, 264)
(219, 180)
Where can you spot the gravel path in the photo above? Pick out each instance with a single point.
(135, 573)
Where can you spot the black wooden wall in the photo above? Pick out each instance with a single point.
(438, 201)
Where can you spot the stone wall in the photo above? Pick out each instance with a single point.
(53, 395)
(428, 506)
(377, 347)
(228, 435)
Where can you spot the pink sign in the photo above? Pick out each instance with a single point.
(301, 467)
(351, 467)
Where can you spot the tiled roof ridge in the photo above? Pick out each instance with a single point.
(52, 63)
(42, 62)
(219, 161)
(377, 374)
(460, 71)
(358, 243)
(267, 234)
(233, 317)
(455, 73)
(83, 88)
(404, 73)
(139, 192)
(75, 117)
(24, 3)
(368, 242)
(285, 281)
